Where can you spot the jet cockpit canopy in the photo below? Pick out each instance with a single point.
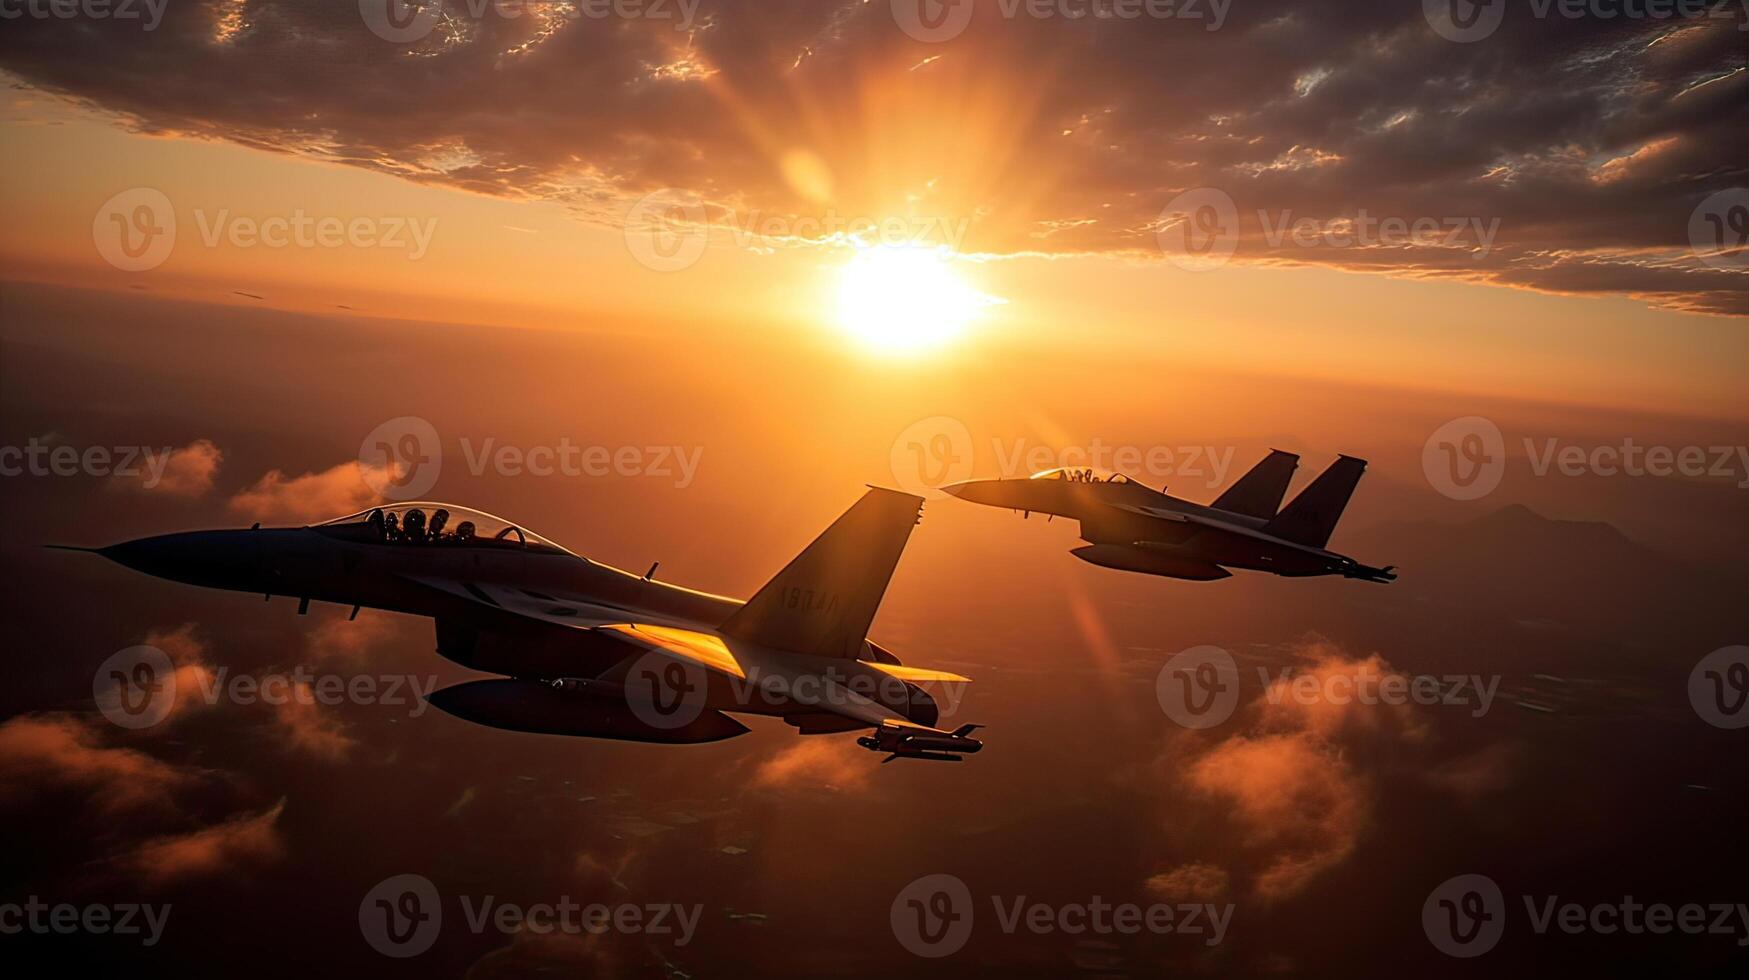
(438, 525)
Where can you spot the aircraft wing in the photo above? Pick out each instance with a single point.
(709, 651)
(565, 611)
(714, 654)
(1216, 524)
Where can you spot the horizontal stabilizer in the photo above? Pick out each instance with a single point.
(1258, 493)
(1311, 517)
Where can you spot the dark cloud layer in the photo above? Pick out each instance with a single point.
(1591, 140)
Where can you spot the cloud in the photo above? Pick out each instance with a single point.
(1199, 883)
(1294, 798)
(194, 675)
(65, 752)
(815, 761)
(1591, 140)
(1294, 782)
(249, 840)
(185, 472)
(309, 729)
(341, 640)
(334, 492)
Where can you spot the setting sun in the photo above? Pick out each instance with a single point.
(898, 298)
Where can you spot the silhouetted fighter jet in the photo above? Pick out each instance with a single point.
(593, 651)
(1135, 529)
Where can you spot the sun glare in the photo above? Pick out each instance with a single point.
(901, 299)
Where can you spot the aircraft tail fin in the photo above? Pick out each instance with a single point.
(823, 601)
(1258, 493)
(1311, 517)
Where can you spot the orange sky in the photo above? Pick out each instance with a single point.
(534, 263)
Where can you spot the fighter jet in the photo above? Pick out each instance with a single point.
(1136, 529)
(589, 650)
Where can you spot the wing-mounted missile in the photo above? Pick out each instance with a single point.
(1367, 573)
(593, 710)
(917, 742)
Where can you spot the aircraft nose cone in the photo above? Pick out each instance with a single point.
(979, 491)
(226, 559)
